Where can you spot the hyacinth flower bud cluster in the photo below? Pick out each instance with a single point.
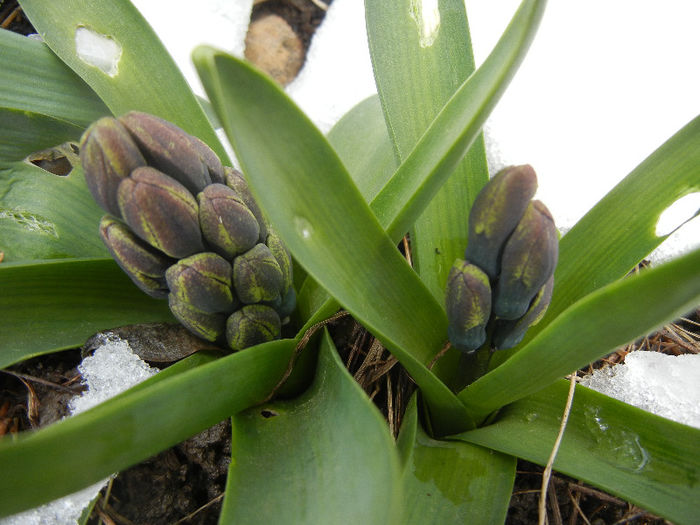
(504, 284)
(186, 228)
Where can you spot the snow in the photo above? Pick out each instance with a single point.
(110, 370)
(666, 385)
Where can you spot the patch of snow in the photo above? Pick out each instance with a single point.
(100, 51)
(112, 369)
(668, 386)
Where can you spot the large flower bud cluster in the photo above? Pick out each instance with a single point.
(185, 227)
(504, 285)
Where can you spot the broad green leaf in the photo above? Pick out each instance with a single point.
(24, 132)
(42, 215)
(135, 425)
(310, 198)
(643, 458)
(421, 53)
(619, 231)
(362, 142)
(455, 128)
(591, 328)
(452, 482)
(34, 79)
(146, 78)
(325, 457)
(47, 306)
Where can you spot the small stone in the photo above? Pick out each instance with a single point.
(273, 46)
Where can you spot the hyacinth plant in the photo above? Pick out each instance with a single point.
(315, 449)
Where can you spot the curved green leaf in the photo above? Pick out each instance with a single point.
(325, 457)
(54, 305)
(147, 79)
(643, 458)
(414, 80)
(452, 482)
(367, 154)
(310, 198)
(42, 215)
(34, 79)
(24, 132)
(135, 425)
(448, 138)
(589, 329)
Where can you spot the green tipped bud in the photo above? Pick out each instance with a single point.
(226, 222)
(251, 325)
(284, 259)
(203, 281)
(235, 181)
(143, 264)
(108, 155)
(171, 150)
(468, 301)
(257, 277)
(209, 327)
(161, 211)
(528, 261)
(508, 334)
(495, 213)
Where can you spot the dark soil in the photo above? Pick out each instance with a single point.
(185, 483)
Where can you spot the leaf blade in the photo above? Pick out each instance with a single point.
(315, 214)
(333, 438)
(642, 458)
(135, 425)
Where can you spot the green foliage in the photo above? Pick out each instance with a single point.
(411, 159)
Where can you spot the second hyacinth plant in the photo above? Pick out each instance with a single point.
(485, 308)
(184, 227)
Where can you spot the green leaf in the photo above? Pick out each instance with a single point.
(34, 79)
(54, 305)
(619, 231)
(325, 457)
(24, 132)
(362, 142)
(135, 425)
(415, 79)
(319, 212)
(643, 458)
(146, 77)
(452, 481)
(589, 329)
(448, 138)
(42, 215)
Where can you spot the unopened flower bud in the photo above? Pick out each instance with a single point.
(209, 327)
(161, 211)
(235, 181)
(108, 154)
(528, 261)
(508, 334)
(203, 281)
(257, 276)
(252, 325)
(171, 150)
(227, 223)
(495, 213)
(283, 258)
(145, 265)
(468, 302)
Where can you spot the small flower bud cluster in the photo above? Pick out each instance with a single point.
(505, 283)
(185, 227)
